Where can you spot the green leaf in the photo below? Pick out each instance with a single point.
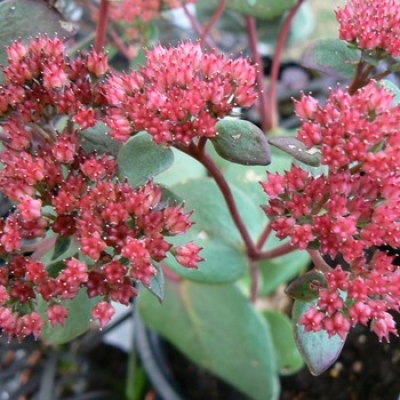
(151, 31)
(303, 24)
(248, 178)
(393, 88)
(156, 286)
(183, 169)
(55, 268)
(333, 57)
(318, 350)
(168, 197)
(139, 60)
(394, 67)
(96, 139)
(241, 142)
(297, 149)
(28, 18)
(214, 230)
(232, 23)
(219, 329)
(61, 246)
(289, 359)
(64, 248)
(261, 9)
(140, 159)
(279, 270)
(306, 287)
(77, 322)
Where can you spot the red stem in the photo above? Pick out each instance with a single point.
(276, 62)
(101, 26)
(264, 236)
(264, 106)
(255, 281)
(319, 263)
(119, 43)
(214, 19)
(361, 77)
(276, 252)
(215, 172)
(197, 27)
(202, 144)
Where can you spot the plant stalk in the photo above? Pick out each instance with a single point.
(276, 252)
(101, 26)
(319, 263)
(273, 119)
(263, 102)
(215, 172)
(214, 19)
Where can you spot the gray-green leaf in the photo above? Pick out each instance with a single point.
(333, 57)
(218, 328)
(262, 9)
(140, 159)
(241, 142)
(319, 351)
(77, 322)
(297, 149)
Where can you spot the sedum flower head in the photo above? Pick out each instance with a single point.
(73, 194)
(128, 10)
(371, 24)
(179, 95)
(351, 209)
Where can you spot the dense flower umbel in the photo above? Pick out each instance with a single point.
(364, 293)
(147, 10)
(371, 24)
(349, 210)
(179, 95)
(62, 191)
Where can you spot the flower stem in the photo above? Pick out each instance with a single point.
(264, 105)
(264, 236)
(276, 252)
(255, 281)
(381, 75)
(276, 62)
(319, 263)
(226, 191)
(214, 19)
(197, 27)
(361, 77)
(101, 26)
(119, 43)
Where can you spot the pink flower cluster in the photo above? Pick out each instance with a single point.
(63, 191)
(350, 209)
(359, 296)
(371, 24)
(56, 85)
(179, 95)
(128, 10)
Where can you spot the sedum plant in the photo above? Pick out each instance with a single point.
(145, 184)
